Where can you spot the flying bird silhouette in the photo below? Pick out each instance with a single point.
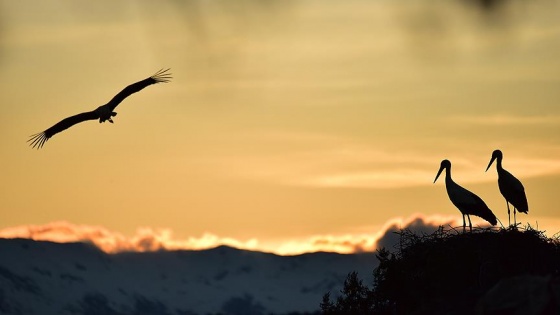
(467, 202)
(103, 112)
(510, 187)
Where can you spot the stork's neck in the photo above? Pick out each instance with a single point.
(499, 163)
(448, 179)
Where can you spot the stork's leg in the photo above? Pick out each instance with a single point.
(464, 223)
(514, 219)
(509, 217)
(470, 224)
(113, 114)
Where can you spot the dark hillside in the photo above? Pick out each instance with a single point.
(488, 271)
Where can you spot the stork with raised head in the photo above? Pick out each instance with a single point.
(467, 202)
(103, 112)
(510, 187)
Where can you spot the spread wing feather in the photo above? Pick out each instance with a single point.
(160, 76)
(37, 140)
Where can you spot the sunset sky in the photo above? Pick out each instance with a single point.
(289, 126)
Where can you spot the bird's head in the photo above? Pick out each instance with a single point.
(445, 164)
(496, 155)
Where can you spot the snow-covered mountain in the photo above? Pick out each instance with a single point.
(76, 278)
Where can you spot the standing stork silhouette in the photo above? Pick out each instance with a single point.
(510, 187)
(103, 112)
(467, 202)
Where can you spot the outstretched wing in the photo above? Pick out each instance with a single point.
(162, 76)
(37, 140)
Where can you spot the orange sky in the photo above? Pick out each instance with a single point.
(285, 120)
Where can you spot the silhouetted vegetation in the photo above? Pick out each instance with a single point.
(488, 271)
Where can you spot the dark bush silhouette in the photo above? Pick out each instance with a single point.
(356, 298)
(448, 272)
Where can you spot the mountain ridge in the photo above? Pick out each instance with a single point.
(43, 277)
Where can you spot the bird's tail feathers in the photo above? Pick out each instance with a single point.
(489, 216)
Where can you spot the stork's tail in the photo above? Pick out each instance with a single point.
(489, 216)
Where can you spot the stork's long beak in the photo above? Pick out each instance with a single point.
(491, 161)
(439, 173)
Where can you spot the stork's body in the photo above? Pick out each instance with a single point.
(510, 187)
(467, 202)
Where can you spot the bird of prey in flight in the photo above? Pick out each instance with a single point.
(103, 112)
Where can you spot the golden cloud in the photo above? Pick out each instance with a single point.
(149, 239)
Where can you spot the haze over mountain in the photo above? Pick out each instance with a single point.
(39, 277)
(76, 278)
